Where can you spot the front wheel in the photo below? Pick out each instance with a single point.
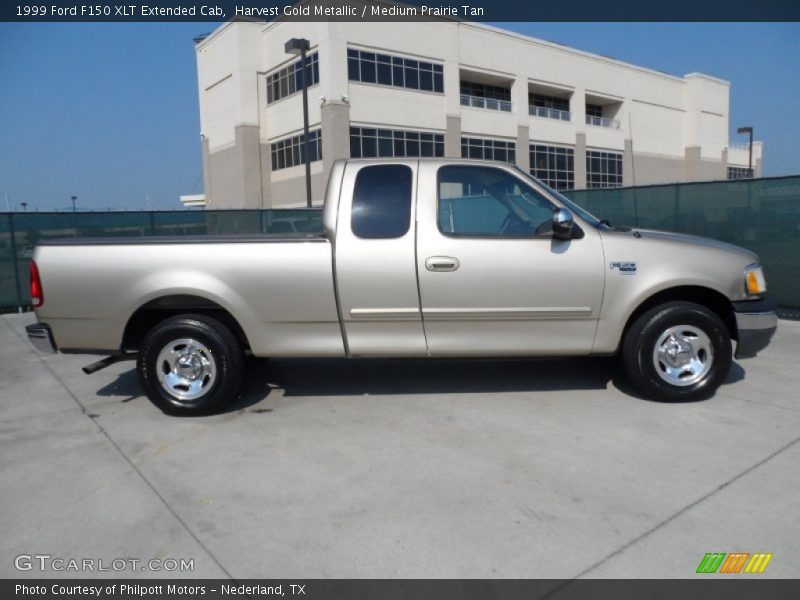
(678, 351)
(190, 365)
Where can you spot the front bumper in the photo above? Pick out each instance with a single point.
(41, 337)
(756, 322)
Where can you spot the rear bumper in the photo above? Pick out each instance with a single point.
(756, 322)
(41, 337)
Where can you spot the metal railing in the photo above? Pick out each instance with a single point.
(549, 113)
(487, 103)
(739, 145)
(602, 122)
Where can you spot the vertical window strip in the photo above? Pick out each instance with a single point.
(603, 169)
(554, 165)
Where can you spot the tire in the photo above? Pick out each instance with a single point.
(190, 365)
(677, 352)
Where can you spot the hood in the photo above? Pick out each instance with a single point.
(682, 238)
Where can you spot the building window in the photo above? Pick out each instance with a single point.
(554, 165)
(382, 202)
(288, 80)
(739, 173)
(603, 169)
(480, 95)
(368, 142)
(488, 149)
(291, 151)
(549, 107)
(594, 110)
(395, 71)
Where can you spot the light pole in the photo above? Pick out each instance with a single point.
(24, 206)
(74, 203)
(300, 46)
(748, 130)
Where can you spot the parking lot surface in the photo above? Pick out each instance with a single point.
(404, 468)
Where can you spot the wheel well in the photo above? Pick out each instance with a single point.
(711, 299)
(154, 312)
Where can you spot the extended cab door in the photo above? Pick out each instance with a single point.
(493, 280)
(375, 265)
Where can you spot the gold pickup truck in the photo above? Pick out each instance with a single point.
(418, 258)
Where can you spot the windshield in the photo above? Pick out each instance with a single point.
(581, 212)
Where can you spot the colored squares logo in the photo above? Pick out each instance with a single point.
(735, 562)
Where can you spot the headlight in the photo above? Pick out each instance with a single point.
(754, 281)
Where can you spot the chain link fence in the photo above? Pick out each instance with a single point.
(760, 214)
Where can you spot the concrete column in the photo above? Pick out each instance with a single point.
(628, 168)
(335, 137)
(577, 106)
(452, 137)
(757, 168)
(692, 163)
(523, 147)
(580, 161)
(247, 142)
(724, 163)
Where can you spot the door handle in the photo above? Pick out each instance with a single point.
(441, 263)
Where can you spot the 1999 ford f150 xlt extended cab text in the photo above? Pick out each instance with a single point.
(419, 258)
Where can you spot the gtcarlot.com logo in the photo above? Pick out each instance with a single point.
(735, 562)
(47, 562)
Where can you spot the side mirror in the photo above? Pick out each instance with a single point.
(563, 223)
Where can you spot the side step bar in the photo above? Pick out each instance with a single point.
(107, 362)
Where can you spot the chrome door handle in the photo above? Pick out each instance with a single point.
(441, 263)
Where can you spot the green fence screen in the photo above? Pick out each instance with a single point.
(760, 214)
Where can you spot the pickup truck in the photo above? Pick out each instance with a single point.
(417, 258)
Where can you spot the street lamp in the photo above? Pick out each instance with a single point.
(24, 206)
(748, 130)
(74, 202)
(299, 46)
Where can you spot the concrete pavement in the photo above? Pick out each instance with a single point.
(377, 468)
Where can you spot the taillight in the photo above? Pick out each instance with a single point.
(37, 294)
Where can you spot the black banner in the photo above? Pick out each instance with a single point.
(383, 10)
(713, 587)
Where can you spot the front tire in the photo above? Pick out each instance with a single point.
(677, 352)
(190, 365)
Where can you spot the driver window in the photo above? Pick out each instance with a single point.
(488, 202)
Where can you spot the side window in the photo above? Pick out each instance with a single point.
(382, 202)
(489, 202)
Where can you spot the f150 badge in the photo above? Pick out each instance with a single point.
(624, 267)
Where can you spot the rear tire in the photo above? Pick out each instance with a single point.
(677, 352)
(190, 365)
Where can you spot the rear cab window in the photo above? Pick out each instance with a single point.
(382, 202)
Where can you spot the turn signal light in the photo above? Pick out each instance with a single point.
(754, 280)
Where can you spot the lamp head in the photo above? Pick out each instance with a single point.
(297, 46)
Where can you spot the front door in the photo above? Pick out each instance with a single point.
(493, 280)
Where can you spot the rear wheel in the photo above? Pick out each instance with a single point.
(678, 351)
(190, 365)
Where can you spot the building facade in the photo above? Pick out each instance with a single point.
(447, 88)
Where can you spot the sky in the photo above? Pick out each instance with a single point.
(109, 112)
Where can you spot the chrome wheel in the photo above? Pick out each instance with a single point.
(186, 369)
(683, 355)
